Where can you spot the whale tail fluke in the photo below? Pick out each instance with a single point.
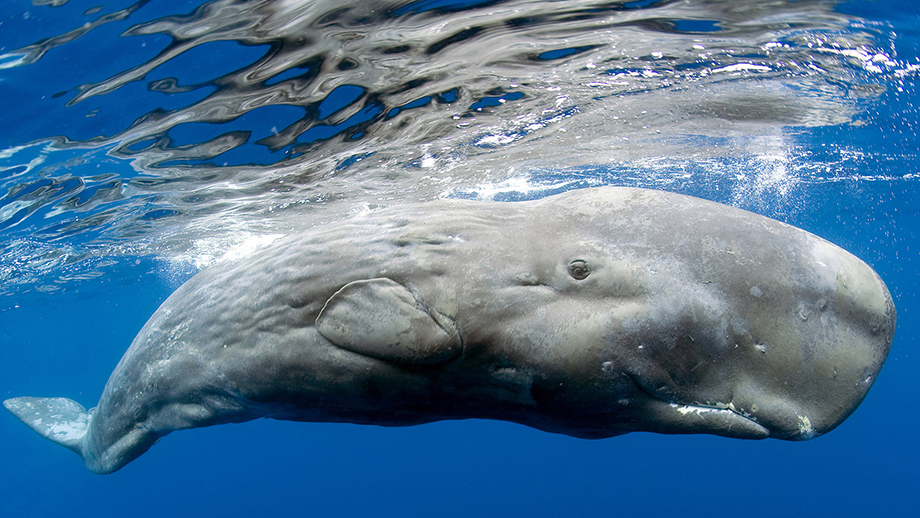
(57, 419)
(66, 422)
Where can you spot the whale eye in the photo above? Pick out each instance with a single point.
(578, 270)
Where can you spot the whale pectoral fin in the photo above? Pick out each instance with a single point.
(382, 319)
(57, 419)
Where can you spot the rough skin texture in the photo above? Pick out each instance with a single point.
(593, 313)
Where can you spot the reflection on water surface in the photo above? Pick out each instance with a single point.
(176, 128)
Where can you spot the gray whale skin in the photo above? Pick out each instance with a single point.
(592, 313)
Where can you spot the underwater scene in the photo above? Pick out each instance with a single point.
(145, 141)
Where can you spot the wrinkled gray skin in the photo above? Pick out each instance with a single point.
(593, 313)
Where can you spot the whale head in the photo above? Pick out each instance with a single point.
(679, 315)
(762, 355)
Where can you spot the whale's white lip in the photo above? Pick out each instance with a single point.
(726, 413)
(724, 418)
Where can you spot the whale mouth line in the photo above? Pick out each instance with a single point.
(720, 419)
(685, 408)
(728, 421)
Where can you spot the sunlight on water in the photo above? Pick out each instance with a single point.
(145, 140)
(205, 252)
(181, 131)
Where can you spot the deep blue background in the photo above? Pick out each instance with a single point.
(67, 343)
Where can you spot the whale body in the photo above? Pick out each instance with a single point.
(593, 313)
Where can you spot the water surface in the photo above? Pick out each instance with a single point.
(145, 140)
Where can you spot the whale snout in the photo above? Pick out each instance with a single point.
(791, 359)
(842, 348)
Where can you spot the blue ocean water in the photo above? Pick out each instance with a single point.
(144, 140)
